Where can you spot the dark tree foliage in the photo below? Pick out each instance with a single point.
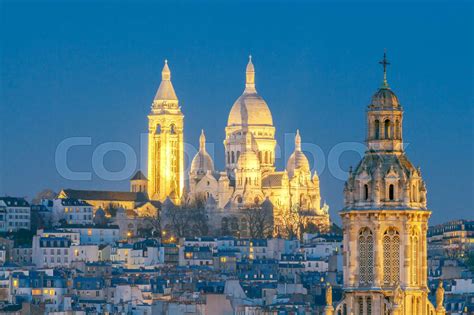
(188, 219)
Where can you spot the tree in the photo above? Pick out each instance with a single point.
(260, 222)
(188, 219)
(470, 261)
(111, 209)
(154, 223)
(294, 222)
(44, 194)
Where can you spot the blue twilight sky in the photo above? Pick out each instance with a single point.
(90, 69)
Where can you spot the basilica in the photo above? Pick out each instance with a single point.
(249, 180)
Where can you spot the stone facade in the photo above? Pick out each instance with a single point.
(165, 143)
(250, 179)
(385, 222)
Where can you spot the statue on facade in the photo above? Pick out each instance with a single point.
(329, 309)
(439, 295)
(398, 296)
(328, 294)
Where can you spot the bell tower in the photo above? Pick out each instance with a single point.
(165, 143)
(385, 221)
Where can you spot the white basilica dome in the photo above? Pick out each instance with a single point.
(250, 108)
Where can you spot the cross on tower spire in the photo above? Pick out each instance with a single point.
(384, 63)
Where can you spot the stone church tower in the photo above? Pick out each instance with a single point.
(165, 143)
(385, 221)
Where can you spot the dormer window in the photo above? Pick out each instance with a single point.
(366, 192)
(391, 192)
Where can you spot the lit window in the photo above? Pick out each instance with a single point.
(391, 257)
(366, 256)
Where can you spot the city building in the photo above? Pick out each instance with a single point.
(454, 238)
(16, 214)
(51, 251)
(72, 211)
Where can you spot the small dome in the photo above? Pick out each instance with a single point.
(384, 98)
(250, 108)
(202, 161)
(297, 160)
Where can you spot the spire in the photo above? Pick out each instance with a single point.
(250, 77)
(202, 141)
(166, 73)
(166, 91)
(384, 63)
(297, 141)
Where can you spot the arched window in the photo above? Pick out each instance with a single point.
(377, 129)
(266, 157)
(233, 157)
(260, 156)
(391, 257)
(387, 132)
(366, 192)
(238, 155)
(391, 192)
(158, 129)
(366, 256)
(228, 157)
(172, 129)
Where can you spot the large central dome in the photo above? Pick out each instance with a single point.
(250, 108)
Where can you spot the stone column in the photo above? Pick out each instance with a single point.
(345, 252)
(352, 254)
(364, 305)
(424, 256)
(378, 279)
(406, 254)
(377, 304)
